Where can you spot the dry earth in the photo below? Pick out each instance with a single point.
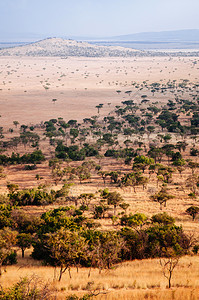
(79, 84)
(27, 87)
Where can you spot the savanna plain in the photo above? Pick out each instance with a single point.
(99, 177)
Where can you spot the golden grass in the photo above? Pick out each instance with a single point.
(139, 279)
(132, 280)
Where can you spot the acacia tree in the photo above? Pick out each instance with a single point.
(74, 132)
(114, 176)
(104, 175)
(141, 162)
(156, 154)
(2, 175)
(193, 211)
(99, 107)
(107, 248)
(16, 123)
(193, 166)
(161, 197)
(114, 198)
(165, 172)
(58, 174)
(179, 164)
(66, 249)
(86, 198)
(134, 179)
(24, 241)
(82, 173)
(168, 265)
(192, 182)
(7, 241)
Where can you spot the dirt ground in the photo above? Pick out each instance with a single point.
(28, 84)
(27, 87)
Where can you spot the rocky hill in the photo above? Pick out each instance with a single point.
(63, 48)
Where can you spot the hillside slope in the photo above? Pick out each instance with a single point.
(61, 47)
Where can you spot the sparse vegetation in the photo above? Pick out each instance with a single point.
(83, 192)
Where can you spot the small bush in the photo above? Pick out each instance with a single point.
(11, 259)
(30, 167)
(27, 289)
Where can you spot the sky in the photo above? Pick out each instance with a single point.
(95, 18)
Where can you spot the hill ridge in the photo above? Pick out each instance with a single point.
(63, 47)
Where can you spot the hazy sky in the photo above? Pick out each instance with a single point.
(96, 17)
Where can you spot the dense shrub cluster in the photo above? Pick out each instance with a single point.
(123, 153)
(73, 152)
(155, 239)
(35, 157)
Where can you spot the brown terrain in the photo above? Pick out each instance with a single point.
(27, 87)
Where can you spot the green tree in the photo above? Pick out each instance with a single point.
(104, 175)
(179, 164)
(192, 182)
(24, 241)
(114, 198)
(82, 173)
(161, 197)
(134, 179)
(16, 123)
(7, 242)
(163, 218)
(141, 162)
(74, 132)
(99, 107)
(114, 176)
(133, 220)
(165, 172)
(86, 198)
(5, 216)
(107, 249)
(193, 211)
(66, 248)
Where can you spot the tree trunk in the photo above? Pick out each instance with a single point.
(22, 252)
(89, 273)
(169, 280)
(60, 274)
(69, 273)
(114, 211)
(62, 270)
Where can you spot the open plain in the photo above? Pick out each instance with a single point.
(28, 84)
(37, 89)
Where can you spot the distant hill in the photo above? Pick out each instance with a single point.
(189, 35)
(63, 48)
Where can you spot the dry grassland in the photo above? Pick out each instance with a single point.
(131, 280)
(27, 87)
(78, 84)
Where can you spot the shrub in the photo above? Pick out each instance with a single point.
(11, 259)
(30, 167)
(196, 249)
(193, 211)
(163, 218)
(27, 289)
